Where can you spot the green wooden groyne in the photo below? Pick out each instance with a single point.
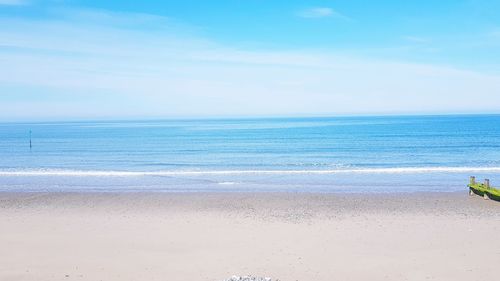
(483, 189)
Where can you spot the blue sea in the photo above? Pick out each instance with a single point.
(334, 154)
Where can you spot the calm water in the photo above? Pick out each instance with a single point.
(342, 154)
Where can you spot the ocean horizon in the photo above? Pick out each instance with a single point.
(314, 154)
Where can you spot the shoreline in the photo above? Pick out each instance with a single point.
(213, 236)
(404, 201)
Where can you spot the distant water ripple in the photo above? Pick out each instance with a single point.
(383, 153)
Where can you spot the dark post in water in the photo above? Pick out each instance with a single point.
(30, 140)
(472, 180)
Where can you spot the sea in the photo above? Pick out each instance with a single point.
(368, 154)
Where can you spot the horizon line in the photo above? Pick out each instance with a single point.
(241, 117)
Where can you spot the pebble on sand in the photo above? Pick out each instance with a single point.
(249, 278)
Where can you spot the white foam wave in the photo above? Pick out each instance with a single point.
(96, 173)
(227, 183)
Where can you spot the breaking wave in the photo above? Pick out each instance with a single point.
(99, 173)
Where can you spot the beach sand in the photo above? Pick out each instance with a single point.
(286, 236)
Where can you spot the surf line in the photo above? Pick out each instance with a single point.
(97, 173)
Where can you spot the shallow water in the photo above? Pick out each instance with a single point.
(338, 154)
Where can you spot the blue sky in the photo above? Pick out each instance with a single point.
(153, 59)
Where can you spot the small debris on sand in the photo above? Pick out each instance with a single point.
(249, 278)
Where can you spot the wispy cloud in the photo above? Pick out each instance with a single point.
(13, 2)
(110, 18)
(494, 33)
(416, 39)
(112, 69)
(320, 12)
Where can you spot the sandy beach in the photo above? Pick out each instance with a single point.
(212, 236)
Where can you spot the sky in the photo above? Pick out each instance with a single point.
(62, 60)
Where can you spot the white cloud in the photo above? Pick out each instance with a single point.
(109, 18)
(13, 2)
(114, 71)
(320, 12)
(416, 39)
(494, 33)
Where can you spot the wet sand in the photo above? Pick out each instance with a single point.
(212, 236)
